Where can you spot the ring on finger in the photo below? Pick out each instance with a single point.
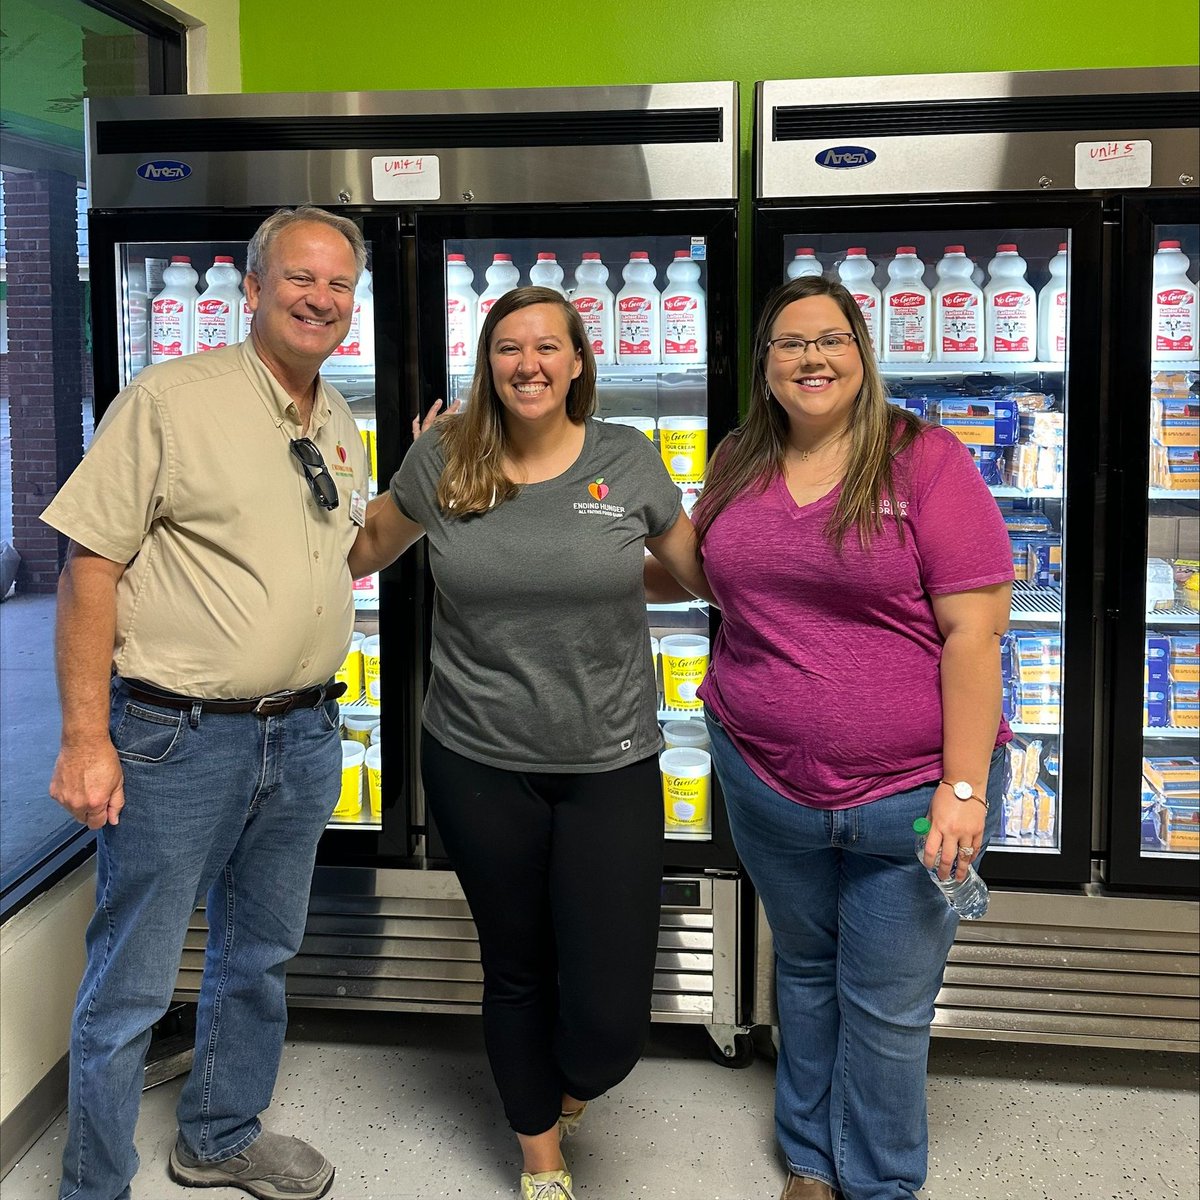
(966, 851)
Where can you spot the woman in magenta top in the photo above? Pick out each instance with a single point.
(864, 575)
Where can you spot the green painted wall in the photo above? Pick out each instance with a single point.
(303, 45)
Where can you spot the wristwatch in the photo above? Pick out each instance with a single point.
(964, 791)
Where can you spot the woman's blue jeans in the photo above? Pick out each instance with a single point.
(861, 938)
(228, 806)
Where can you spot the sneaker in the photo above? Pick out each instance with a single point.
(272, 1167)
(803, 1187)
(568, 1123)
(546, 1185)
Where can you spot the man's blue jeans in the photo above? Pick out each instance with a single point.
(225, 805)
(861, 938)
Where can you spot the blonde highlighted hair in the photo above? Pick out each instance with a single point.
(473, 441)
(753, 454)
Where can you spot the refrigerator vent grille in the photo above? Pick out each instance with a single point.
(1015, 114)
(410, 133)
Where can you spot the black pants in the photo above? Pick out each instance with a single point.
(563, 875)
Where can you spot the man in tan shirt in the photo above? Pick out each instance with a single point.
(203, 610)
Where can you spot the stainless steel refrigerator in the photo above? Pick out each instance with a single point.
(1061, 187)
(459, 195)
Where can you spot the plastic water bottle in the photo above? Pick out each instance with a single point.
(1174, 308)
(547, 273)
(684, 313)
(857, 273)
(218, 311)
(638, 316)
(461, 303)
(906, 309)
(173, 312)
(1010, 306)
(1052, 310)
(594, 303)
(502, 276)
(968, 898)
(805, 263)
(356, 354)
(957, 310)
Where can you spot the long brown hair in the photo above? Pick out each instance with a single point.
(473, 441)
(753, 454)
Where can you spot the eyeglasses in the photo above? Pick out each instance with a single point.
(830, 345)
(324, 490)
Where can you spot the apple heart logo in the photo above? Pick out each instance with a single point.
(598, 490)
(341, 452)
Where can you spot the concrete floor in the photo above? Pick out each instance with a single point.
(404, 1105)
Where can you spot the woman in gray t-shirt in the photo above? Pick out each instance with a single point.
(540, 741)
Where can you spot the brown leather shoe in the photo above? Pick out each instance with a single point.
(801, 1187)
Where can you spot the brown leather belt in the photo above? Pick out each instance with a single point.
(262, 706)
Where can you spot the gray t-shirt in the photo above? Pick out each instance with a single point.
(541, 656)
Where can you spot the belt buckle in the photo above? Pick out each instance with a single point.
(265, 706)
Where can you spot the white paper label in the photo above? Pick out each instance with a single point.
(406, 177)
(1112, 164)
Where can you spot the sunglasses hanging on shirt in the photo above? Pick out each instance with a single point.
(320, 482)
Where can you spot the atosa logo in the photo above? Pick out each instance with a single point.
(844, 158)
(164, 170)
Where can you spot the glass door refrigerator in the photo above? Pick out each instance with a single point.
(1154, 814)
(1061, 187)
(624, 198)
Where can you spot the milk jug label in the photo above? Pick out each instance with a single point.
(960, 323)
(1012, 322)
(352, 346)
(1174, 320)
(679, 325)
(458, 321)
(591, 310)
(1058, 324)
(214, 324)
(907, 316)
(167, 319)
(636, 316)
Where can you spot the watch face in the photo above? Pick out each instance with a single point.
(962, 790)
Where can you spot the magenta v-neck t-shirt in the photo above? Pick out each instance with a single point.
(825, 672)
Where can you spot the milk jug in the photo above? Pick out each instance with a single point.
(1052, 310)
(684, 313)
(173, 312)
(1010, 309)
(594, 302)
(356, 354)
(219, 309)
(957, 310)
(501, 277)
(906, 323)
(461, 303)
(638, 317)
(857, 273)
(547, 273)
(1173, 312)
(805, 263)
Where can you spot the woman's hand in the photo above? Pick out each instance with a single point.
(955, 834)
(421, 424)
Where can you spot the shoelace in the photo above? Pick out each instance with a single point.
(551, 1189)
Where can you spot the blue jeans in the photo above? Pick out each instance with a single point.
(225, 805)
(861, 938)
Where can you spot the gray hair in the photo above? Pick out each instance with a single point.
(259, 250)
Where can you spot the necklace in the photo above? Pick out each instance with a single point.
(805, 455)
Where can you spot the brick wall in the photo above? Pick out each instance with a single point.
(45, 360)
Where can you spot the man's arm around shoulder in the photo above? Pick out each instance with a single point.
(88, 781)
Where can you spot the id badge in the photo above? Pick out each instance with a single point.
(358, 509)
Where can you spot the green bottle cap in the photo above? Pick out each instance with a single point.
(921, 825)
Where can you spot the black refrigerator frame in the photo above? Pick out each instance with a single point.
(1128, 869)
(1082, 219)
